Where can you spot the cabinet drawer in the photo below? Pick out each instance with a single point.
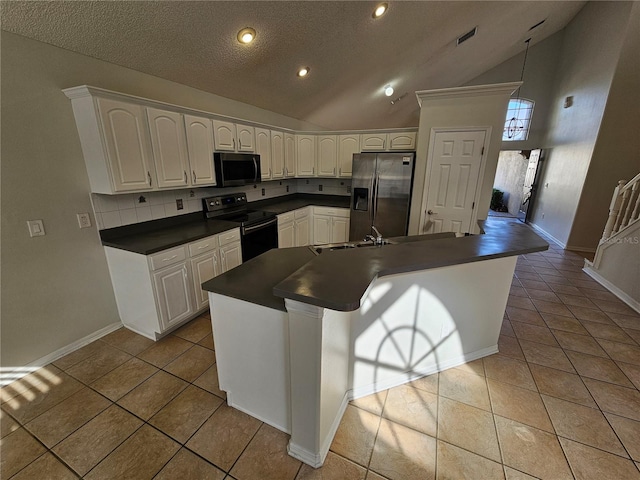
(331, 211)
(301, 212)
(167, 257)
(229, 237)
(202, 246)
(286, 217)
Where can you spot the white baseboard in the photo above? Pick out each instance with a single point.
(231, 403)
(406, 377)
(575, 248)
(633, 303)
(544, 232)
(9, 374)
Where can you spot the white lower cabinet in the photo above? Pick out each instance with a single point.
(156, 293)
(294, 228)
(330, 225)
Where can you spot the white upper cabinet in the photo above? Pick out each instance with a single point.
(232, 137)
(388, 141)
(224, 135)
(290, 155)
(169, 145)
(327, 158)
(347, 146)
(306, 155)
(277, 154)
(200, 149)
(402, 141)
(373, 141)
(263, 148)
(246, 138)
(127, 144)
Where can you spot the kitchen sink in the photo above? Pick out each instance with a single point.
(330, 247)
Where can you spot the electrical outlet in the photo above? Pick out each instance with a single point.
(307, 182)
(36, 228)
(542, 214)
(319, 188)
(141, 199)
(287, 188)
(179, 204)
(263, 192)
(192, 193)
(84, 220)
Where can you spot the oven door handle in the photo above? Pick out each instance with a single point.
(253, 228)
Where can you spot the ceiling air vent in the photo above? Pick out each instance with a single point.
(467, 36)
(538, 24)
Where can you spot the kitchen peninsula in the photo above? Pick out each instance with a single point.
(298, 334)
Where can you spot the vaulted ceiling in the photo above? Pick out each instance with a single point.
(352, 56)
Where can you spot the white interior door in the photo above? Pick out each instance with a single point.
(455, 160)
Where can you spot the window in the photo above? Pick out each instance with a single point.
(516, 125)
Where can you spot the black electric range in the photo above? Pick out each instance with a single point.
(259, 230)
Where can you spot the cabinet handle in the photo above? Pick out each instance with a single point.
(384, 143)
(269, 171)
(170, 258)
(204, 246)
(149, 175)
(234, 143)
(185, 177)
(313, 170)
(334, 171)
(194, 176)
(286, 172)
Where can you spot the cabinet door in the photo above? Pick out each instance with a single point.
(286, 235)
(373, 141)
(327, 155)
(203, 268)
(169, 146)
(277, 154)
(303, 230)
(339, 230)
(321, 229)
(263, 148)
(347, 146)
(224, 135)
(127, 142)
(200, 149)
(246, 138)
(402, 141)
(173, 294)
(230, 256)
(306, 150)
(290, 155)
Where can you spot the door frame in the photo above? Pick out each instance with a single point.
(427, 177)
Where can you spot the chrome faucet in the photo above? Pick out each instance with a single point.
(378, 240)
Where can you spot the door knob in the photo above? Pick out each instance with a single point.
(431, 212)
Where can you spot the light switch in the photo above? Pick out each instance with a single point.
(36, 228)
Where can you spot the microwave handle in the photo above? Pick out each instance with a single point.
(255, 167)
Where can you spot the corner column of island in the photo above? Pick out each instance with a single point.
(298, 335)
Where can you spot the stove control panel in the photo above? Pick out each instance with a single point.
(223, 203)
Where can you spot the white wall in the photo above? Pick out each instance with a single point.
(542, 62)
(56, 288)
(616, 155)
(588, 58)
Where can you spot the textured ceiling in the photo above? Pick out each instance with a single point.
(351, 55)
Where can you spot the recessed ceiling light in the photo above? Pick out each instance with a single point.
(246, 35)
(388, 90)
(303, 71)
(380, 10)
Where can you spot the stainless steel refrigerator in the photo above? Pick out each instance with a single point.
(381, 193)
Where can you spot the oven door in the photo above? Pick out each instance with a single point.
(233, 169)
(259, 238)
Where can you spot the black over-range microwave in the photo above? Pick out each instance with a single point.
(234, 169)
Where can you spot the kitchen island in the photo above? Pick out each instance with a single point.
(298, 335)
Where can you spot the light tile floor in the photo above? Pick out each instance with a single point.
(560, 400)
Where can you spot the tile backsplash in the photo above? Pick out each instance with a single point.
(117, 210)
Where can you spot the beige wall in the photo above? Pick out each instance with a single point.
(478, 111)
(542, 62)
(588, 57)
(616, 154)
(56, 289)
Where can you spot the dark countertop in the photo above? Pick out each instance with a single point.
(157, 235)
(253, 281)
(338, 279)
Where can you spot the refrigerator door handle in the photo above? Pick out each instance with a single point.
(375, 197)
(372, 202)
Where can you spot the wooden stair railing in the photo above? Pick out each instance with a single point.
(624, 208)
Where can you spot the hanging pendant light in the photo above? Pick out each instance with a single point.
(516, 125)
